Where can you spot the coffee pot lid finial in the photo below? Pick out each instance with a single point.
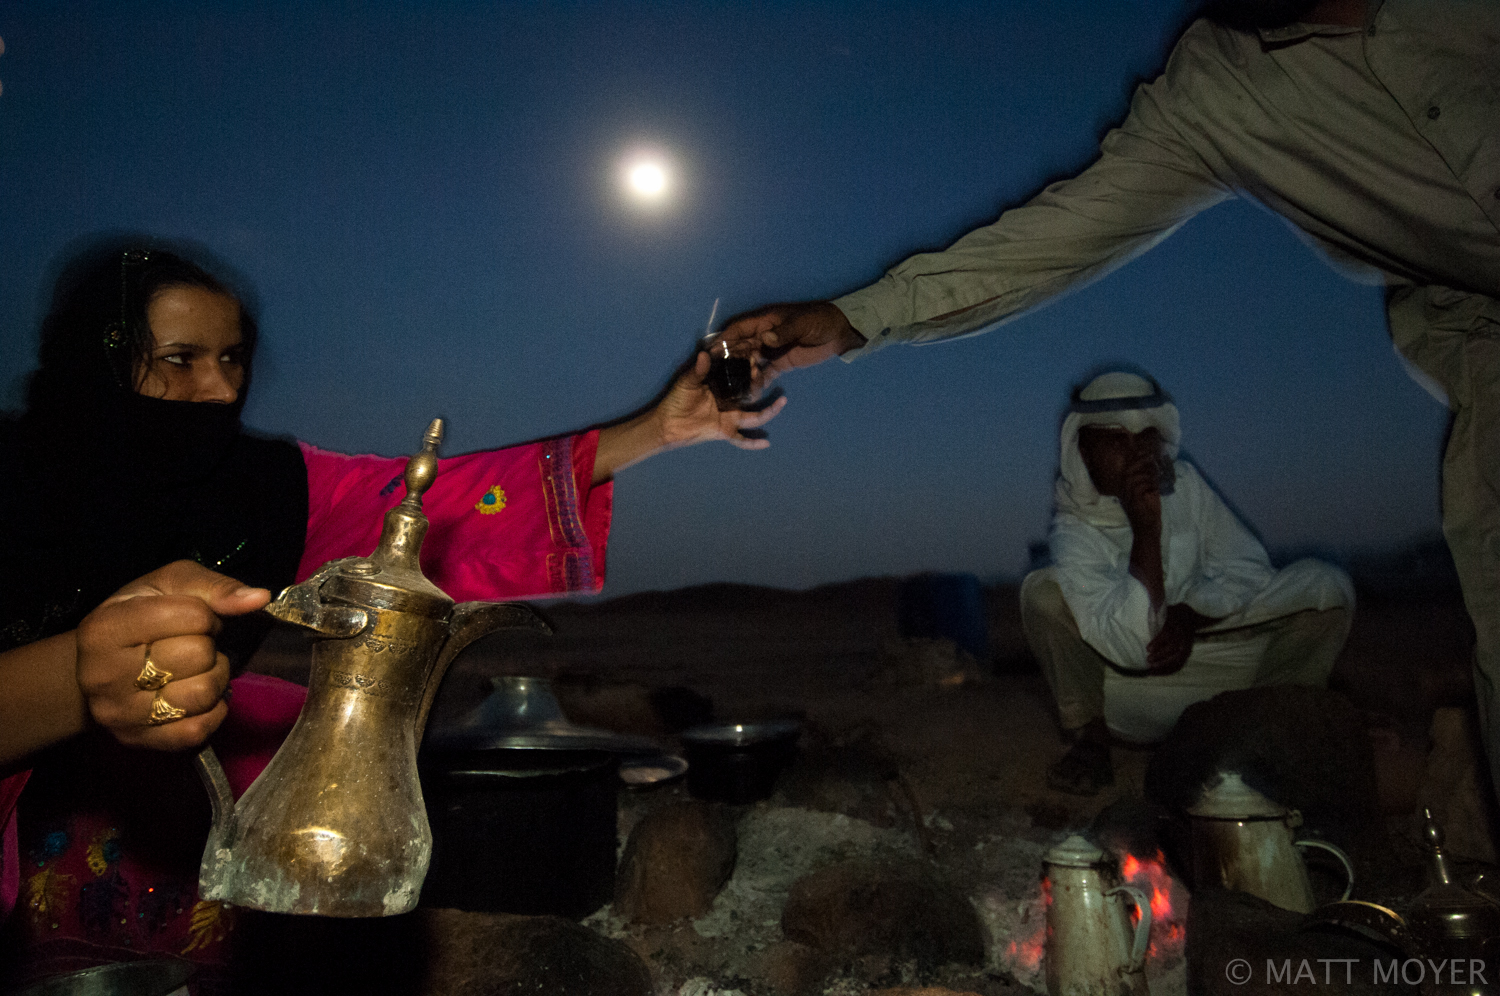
(391, 576)
(1433, 834)
(1075, 852)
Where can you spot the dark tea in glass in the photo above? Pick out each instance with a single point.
(728, 376)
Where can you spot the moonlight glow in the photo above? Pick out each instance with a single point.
(646, 180)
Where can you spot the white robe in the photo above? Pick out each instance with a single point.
(1213, 564)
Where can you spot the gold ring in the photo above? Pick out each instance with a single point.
(163, 711)
(152, 677)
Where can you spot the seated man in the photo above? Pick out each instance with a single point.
(1159, 596)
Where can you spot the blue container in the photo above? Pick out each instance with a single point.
(945, 605)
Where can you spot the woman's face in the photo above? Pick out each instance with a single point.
(198, 352)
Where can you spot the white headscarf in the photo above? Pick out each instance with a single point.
(1119, 398)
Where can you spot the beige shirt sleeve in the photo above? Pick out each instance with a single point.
(1145, 184)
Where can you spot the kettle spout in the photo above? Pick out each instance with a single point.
(469, 622)
(220, 797)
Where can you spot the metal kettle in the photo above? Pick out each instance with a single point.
(1091, 949)
(1243, 841)
(335, 825)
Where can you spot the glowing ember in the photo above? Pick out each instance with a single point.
(1168, 916)
(1025, 956)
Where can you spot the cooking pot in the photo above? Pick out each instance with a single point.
(739, 762)
(521, 831)
(523, 805)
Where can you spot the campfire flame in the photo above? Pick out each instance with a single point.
(1168, 898)
(1168, 924)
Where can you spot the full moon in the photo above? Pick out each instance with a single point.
(646, 180)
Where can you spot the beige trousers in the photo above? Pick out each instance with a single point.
(1294, 649)
(1471, 524)
(1454, 338)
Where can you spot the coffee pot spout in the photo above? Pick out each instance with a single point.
(472, 621)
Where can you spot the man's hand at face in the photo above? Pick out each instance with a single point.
(1169, 651)
(172, 614)
(1141, 491)
(788, 336)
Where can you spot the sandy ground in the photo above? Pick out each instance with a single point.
(908, 748)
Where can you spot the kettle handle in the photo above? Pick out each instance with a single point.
(1337, 852)
(1142, 928)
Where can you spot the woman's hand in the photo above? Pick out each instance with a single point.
(171, 616)
(688, 414)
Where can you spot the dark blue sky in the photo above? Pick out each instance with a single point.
(425, 197)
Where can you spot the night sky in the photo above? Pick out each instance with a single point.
(427, 201)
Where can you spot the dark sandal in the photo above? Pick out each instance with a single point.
(1083, 770)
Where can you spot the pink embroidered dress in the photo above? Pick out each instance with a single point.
(515, 523)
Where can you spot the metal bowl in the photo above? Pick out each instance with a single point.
(743, 734)
(151, 977)
(739, 762)
(643, 772)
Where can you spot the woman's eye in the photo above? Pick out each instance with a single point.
(180, 359)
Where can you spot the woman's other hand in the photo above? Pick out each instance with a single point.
(687, 414)
(172, 616)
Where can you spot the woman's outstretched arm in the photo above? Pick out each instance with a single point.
(686, 415)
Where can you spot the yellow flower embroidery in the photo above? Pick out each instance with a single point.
(103, 852)
(212, 920)
(492, 502)
(46, 891)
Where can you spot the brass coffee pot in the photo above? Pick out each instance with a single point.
(1091, 948)
(1454, 924)
(335, 824)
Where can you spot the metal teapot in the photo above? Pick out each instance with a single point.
(335, 824)
(1090, 948)
(1243, 841)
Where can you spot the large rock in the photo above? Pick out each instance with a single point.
(911, 662)
(862, 907)
(1455, 786)
(498, 954)
(675, 862)
(630, 708)
(1306, 748)
(789, 968)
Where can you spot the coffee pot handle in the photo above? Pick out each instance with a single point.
(469, 622)
(1337, 852)
(1142, 927)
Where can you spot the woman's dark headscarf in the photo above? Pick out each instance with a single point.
(96, 338)
(111, 485)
